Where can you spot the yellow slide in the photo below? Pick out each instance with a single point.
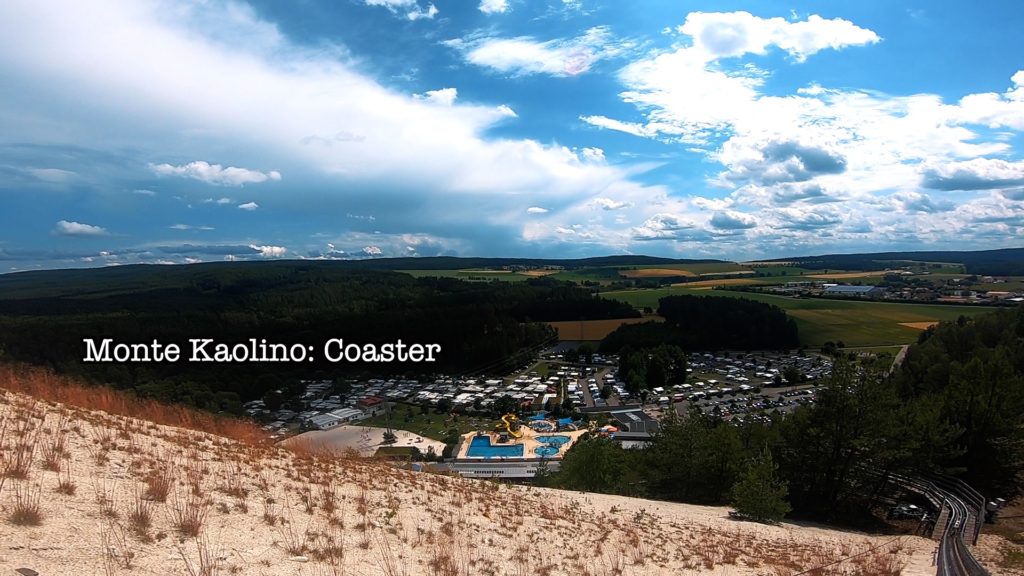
(508, 420)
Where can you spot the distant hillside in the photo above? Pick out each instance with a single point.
(83, 281)
(1002, 262)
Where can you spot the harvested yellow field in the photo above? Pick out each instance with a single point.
(841, 275)
(703, 284)
(539, 272)
(594, 329)
(730, 273)
(656, 273)
(918, 325)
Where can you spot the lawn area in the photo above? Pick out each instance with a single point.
(856, 323)
(430, 425)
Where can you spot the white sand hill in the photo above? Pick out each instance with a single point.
(116, 495)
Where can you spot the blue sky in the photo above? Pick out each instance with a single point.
(173, 132)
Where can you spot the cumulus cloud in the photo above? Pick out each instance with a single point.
(776, 161)
(493, 6)
(444, 96)
(918, 202)
(190, 227)
(524, 55)
(732, 220)
(372, 251)
(536, 210)
(249, 206)
(215, 173)
(731, 34)
(975, 174)
(270, 251)
(609, 204)
(70, 228)
(664, 227)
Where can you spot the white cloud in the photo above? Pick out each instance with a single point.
(620, 126)
(731, 34)
(443, 97)
(190, 227)
(609, 204)
(144, 192)
(270, 251)
(975, 174)
(372, 251)
(70, 228)
(422, 13)
(249, 206)
(215, 173)
(524, 55)
(732, 220)
(493, 6)
(536, 210)
(411, 9)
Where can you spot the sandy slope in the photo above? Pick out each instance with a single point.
(268, 511)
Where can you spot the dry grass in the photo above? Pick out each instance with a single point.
(43, 384)
(26, 510)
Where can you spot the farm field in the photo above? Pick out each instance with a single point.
(856, 323)
(472, 275)
(593, 329)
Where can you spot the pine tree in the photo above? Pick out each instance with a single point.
(760, 495)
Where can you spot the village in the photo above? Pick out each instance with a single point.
(551, 395)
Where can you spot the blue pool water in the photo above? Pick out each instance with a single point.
(550, 445)
(556, 441)
(481, 447)
(545, 450)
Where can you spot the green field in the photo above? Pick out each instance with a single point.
(856, 323)
(471, 275)
(430, 425)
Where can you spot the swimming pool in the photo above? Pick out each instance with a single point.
(556, 441)
(550, 445)
(481, 447)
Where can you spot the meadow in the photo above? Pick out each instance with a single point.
(854, 322)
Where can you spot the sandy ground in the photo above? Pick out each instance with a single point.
(264, 510)
(365, 439)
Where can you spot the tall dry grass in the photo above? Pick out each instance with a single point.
(44, 384)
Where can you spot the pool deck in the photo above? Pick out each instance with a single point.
(529, 442)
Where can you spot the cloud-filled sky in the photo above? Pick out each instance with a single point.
(173, 132)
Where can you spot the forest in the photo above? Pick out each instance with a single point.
(955, 406)
(1002, 262)
(709, 323)
(482, 327)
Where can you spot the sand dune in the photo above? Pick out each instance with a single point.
(263, 510)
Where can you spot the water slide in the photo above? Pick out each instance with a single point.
(508, 420)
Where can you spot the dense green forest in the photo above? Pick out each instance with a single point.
(1002, 262)
(481, 326)
(709, 323)
(956, 406)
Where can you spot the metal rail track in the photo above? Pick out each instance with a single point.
(961, 510)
